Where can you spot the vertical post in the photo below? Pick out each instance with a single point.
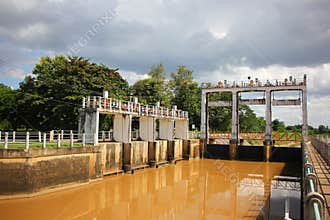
(234, 127)
(268, 136)
(44, 141)
(84, 102)
(51, 136)
(58, 140)
(100, 102)
(62, 135)
(6, 140)
(109, 135)
(88, 102)
(94, 101)
(39, 137)
(203, 116)
(304, 111)
(83, 140)
(27, 140)
(110, 104)
(14, 136)
(103, 135)
(71, 139)
(0, 135)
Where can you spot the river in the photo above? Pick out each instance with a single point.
(196, 189)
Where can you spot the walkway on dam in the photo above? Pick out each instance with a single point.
(322, 170)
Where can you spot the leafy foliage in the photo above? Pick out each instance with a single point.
(50, 99)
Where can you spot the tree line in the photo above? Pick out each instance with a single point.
(50, 97)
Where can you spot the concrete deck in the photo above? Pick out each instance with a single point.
(322, 171)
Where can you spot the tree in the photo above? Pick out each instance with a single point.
(153, 89)
(51, 97)
(186, 93)
(8, 108)
(278, 125)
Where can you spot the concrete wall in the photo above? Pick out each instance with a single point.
(27, 172)
(157, 152)
(111, 157)
(34, 170)
(191, 149)
(135, 155)
(175, 150)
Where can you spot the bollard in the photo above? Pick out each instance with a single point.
(71, 139)
(6, 140)
(27, 140)
(103, 135)
(83, 139)
(51, 136)
(14, 136)
(39, 136)
(58, 140)
(44, 141)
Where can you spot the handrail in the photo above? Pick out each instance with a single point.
(119, 106)
(314, 202)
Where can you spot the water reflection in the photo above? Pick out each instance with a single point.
(201, 189)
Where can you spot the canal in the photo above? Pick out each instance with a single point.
(196, 189)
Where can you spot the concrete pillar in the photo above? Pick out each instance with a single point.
(90, 125)
(204, 116)
(147, 128)
(304, 112)
(122, 128)
(58, 140)
(166, 129)
(44, 141)
(233, 144)
(14, 136)
(71, 139)
(27, 140)
(268, 135)
(182, 129)
(39, 136)
(51, 136)
(6, 140)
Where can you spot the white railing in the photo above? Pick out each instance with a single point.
(119, 106)
(257, 83)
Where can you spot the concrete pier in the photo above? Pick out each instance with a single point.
(122, 127)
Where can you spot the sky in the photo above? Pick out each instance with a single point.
(216, 39)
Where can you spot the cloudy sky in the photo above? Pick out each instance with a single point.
(216, 39)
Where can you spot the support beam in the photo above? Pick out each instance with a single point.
(304, 112)
(268, 136)
(166, 129)
(147, 128)
(182, 129)
(122, 128)
(203, 116)
(89, 124)
(234, 128)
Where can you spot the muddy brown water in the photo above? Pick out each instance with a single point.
(198, 189)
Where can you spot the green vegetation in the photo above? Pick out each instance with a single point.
(50, 97)
(39, 145)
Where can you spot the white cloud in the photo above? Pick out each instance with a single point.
(132, 77)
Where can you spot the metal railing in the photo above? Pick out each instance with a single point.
(118, 106)
(313, 201)
(322, 145)
(257, 83)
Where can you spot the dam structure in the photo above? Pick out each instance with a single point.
(268, 88)
(150, 166)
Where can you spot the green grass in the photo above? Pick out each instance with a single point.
(39, 145)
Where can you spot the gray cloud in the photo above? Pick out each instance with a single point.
(216, 38)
